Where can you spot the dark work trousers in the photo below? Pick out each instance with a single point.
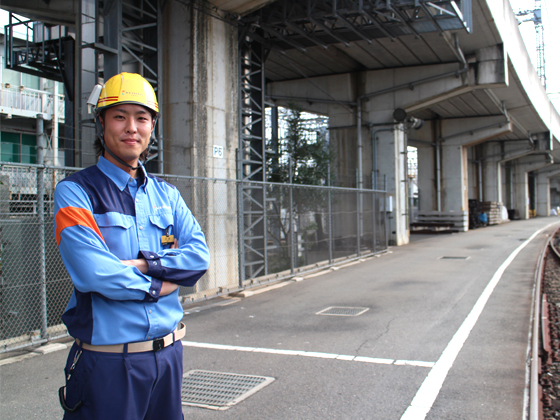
(126, 386)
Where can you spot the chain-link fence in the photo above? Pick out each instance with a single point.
(305, 227)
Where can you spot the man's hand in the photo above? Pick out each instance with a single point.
(142, 265)
(167, 287)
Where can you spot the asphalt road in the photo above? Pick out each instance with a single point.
(442, 336)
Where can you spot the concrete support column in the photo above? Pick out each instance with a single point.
(543, 195)
(392, 145)
(521, 191)
(554, 191)
(547, 189)
(200, 125)
(454, 178)
(427, 200)
(521, 182)
(494, 173)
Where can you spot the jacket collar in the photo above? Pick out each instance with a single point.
(116, 174)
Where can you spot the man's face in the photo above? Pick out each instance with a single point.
(126, 130)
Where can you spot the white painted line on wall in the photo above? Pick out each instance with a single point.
(319, 355)
(430, 388)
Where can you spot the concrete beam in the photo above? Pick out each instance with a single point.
(533, 162)
(490, 70)
(550, 171)
(479, 130)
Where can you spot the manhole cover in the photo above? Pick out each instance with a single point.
(217, 390)
(454, 258)
(342, 311)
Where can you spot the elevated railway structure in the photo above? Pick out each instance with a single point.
(460, 66)
(452, 78)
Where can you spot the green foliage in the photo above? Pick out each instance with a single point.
(305, 150)
(303, 157)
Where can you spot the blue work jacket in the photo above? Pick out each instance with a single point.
(103, 216)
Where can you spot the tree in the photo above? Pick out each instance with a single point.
(305, 150)
(302, 156)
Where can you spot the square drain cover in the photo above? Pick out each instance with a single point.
(342, 311)
(217, 390)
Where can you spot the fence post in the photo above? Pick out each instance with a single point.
(330, 214)
(293, 254)
(386, 207)
(358, 212)
(240, 218)
(41, 216)
(374, 211)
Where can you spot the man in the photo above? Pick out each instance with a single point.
(128, 241)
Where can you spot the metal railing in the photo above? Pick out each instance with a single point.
(307, 227)
(26, 102)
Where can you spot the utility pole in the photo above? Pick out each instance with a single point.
(535, 16)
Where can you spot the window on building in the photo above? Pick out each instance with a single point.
(18, 148)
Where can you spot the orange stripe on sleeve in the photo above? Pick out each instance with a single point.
(73, 216)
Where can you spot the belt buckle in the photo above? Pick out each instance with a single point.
(158, 344)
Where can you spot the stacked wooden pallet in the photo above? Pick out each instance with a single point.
(459, 219)
(493, 210)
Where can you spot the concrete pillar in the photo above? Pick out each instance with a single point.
(545, 181)
(200, 115)
(554, 191)
(521, 169)
(454, 178)
(426, 178)
(543, 195)
(392, 146)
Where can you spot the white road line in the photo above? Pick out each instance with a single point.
(311, 354)
(429, 390)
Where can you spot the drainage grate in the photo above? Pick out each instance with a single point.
(217, 390)
(454, 258)
(342, 311)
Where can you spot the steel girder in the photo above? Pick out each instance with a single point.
(288, 24)
(251, 160)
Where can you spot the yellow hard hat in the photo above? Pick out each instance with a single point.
(127, 88)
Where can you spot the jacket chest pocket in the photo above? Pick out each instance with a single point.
(118, 234)
(163, 221)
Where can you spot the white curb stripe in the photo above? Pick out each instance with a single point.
(311, 354)
(429, 390)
